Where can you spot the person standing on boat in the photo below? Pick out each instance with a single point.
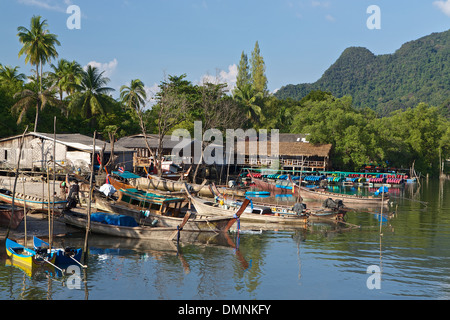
(63, 190)
(73, 198)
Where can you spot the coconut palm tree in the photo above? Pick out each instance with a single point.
(29, 98)
(39, 47)
(134, 95)
(65, 76)
(10, 75)
(90, 98)
(247, 97)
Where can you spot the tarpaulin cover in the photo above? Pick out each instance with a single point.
(114, 219)
(126, 174)
(107, 190)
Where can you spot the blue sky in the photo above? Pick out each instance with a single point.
(148, 39)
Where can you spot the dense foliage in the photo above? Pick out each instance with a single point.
(418, 132)
(418, 72)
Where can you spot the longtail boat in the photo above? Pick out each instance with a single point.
(206, 206)
(5, 216)
(134, 231)
(30, 201)
(336, 212)
(349, 199)
(320, 194)
(154, 216)
(28, 257)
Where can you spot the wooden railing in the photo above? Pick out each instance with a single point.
(297, 163)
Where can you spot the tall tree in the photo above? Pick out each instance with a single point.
(172, 108)
(134, 95)
(90, 99)
(10, 75)
(258, 71)
(134, 98)
(248, 98)
(39, 47)
(65, 76)
(30, 97)
(243, 77)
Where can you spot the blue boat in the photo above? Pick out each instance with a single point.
(64, 257)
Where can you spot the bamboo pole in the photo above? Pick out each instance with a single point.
(24, 210)
(381, 214)
(54, 178)
(15, 183)
(88, 225)
(49, 209)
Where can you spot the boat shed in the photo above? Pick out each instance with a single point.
(71, 150)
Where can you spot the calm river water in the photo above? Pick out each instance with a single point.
(411, 260)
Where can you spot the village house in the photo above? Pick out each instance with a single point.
(72, 151)
(294, 153)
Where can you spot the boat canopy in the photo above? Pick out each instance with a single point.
(126, 175)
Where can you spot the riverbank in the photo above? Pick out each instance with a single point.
(36, 223)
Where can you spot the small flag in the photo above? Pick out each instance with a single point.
(121, 170)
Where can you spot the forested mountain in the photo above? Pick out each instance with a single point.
(417, 72)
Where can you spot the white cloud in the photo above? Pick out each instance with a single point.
(444, 6)
(323, 4)
(108, 67)
(53, 5)
(228, 77)
(329, 17)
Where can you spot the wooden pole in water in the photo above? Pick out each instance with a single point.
(49, 209)
(24, 210)
(88, 225)
(15, 183)
(54, 178)
(381, 215)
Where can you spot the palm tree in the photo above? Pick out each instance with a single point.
(10, 75)
(39, 48)
(247, 97)
(134, 95)
(28, 98)
(89, 100)
(65, 76)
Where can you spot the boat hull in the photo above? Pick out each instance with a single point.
(26, 256)
(5, 216)
(204, 206)
(145, 232)
(31, 202)
(195, 222)
(319, 195)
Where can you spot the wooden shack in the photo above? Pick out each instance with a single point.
(71, 150)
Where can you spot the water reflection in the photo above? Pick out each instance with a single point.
(318, 261)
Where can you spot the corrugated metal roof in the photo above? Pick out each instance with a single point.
(76, 141)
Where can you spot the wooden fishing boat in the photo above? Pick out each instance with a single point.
(148, 216)
(79, 220)
(31, 202)
(135, 231)
(350, 199)
(263, 215)
(157, 203)
(157, 183)
(66, 256)
(28, 257)
(5, 216)
(320, 194)
(326, 213)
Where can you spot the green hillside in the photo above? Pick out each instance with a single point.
(417, 72)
